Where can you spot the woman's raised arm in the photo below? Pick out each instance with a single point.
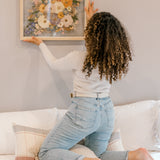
(67, 62)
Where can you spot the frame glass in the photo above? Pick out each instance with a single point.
(53, 19)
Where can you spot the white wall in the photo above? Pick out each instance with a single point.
(26, 82)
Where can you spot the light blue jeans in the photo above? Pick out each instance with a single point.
(89, 118)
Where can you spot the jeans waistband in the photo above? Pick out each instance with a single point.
(96, 95)
(91, 101)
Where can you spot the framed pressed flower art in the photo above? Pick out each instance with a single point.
(52, 19)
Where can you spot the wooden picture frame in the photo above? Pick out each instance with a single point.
(53, 19)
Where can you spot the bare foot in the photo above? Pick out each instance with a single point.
(91, 158)
(139, 154)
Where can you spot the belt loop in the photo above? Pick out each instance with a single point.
(97, 95)
(98, 99)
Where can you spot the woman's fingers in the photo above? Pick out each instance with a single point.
(34, 40)
(90, 9)
(86, 9)
(95, 10)
(89, 4)
(37, 40)
(92, 4)
(28, 40)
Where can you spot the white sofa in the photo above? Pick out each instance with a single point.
(139, 124)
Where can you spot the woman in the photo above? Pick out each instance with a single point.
(91, 113)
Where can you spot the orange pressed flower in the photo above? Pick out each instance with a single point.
(31, 16)
(53, 1)
(58, 30)
(42, 8)
(67, 3)
(67, 29)
(60, 15)
(71, 28)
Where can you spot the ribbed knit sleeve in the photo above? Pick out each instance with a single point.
(67, 62)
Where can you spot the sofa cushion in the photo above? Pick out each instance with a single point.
(115, 142)
(45, 119)
(7, 157)
(156, 127)
(29, 140)
(83, 150)
(136, 122)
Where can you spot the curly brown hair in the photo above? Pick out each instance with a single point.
(107, 46)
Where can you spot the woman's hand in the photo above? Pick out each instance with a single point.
(90, 11)
(34, 40)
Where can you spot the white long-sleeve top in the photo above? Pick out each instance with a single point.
(83, 86)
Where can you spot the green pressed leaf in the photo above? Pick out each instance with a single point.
(75, 18)
(31, 20)
(75, 1)
(35, 12)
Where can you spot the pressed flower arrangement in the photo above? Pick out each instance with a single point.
(53, 19)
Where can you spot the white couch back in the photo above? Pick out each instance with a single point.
(136, 122)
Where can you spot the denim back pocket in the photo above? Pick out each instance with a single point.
(85, 113)
(82, 113)
(85, 118)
